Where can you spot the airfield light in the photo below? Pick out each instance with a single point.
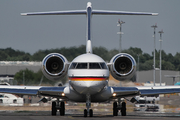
(120, 33)
(114, 94)
(160, 32)
(154, 36)
(63, 94)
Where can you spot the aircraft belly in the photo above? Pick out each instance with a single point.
(103, 96)
(88, 87)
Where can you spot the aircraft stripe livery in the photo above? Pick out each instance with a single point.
(87, 78)
(88, 73)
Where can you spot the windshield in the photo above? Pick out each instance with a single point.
(81, 66)
(88, 66)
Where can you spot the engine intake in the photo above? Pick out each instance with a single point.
(123, 66)
(54, 66)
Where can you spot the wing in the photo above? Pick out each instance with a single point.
(125, 91)
(144, 91)
(156, 90)
(33, 90)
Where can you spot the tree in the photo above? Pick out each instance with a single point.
(24, 75)
(170, 62)
(32, 78)
(3, 56)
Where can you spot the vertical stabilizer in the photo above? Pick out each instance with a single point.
(89, 14)
(88, 46)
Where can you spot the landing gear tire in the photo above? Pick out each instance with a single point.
(53, 110)
(85, 113)
(90, 113)
(115, 110)
(62, 109)
(123, 109)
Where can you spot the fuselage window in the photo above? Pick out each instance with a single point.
(94, 66)
(81, 66)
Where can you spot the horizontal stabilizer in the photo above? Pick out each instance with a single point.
(71, 12)
(98, 12)
(106, 12)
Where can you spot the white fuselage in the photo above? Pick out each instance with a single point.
(88, 74)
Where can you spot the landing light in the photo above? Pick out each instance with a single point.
(114, 94)
(63, 94)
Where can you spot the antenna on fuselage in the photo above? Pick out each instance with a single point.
(88, 12)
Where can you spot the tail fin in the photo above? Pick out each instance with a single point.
(89, 12)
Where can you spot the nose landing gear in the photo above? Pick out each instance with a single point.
(88, 105)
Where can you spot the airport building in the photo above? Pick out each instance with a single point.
(147, 76)
(9, 68)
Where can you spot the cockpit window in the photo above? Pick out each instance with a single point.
(73, 65)
(88, 66)
(103, 66)
(81, 66)
(94, 66)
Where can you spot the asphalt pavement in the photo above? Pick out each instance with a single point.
(73, 115)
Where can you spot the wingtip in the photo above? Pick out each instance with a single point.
(155, 14)
(23, 14)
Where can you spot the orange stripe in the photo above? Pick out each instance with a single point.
(87, 78)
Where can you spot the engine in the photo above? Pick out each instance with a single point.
(123, 66)
(54, 66)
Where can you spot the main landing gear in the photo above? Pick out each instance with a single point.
(88, 105)
(58, 106)
(119, 106)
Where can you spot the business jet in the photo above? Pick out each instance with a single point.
(88, 74)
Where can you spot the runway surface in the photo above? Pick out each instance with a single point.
(46, 115)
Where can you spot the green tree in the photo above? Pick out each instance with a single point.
(24, 75)
(3, 55)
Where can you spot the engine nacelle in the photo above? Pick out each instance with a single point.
(123, 66)
(54, 66)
